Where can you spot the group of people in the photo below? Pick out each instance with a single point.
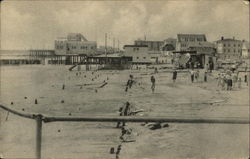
(228, 80)
(195, 75)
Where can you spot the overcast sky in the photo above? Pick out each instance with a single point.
(36, 24)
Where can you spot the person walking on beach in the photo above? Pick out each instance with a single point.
(245, 78)
(174, 75)
(129, 83)
(229, 82)
(239, 83)
(219, 80)
(192, 75)
(196, 75)
(124, 111)
(234, 79)
(205, 76)
(153, 83)
(156, 71)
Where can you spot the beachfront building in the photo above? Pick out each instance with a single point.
(193, 51)
(75, 44)
(154, 49)
(229, 49)
(139, 54)
(153, 46)
(245, 49)
(169, 44)
(184, 41)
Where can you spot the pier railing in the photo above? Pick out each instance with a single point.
(39, 118)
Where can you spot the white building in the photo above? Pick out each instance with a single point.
(245, 49)
(75, 43)
(229, 48)
(139, 53)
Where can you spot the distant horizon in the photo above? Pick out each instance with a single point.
(37, 24)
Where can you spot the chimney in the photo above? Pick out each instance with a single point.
(222, 38)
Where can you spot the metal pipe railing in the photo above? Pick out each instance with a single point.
(30, 116)
(39, 118)
(148, 119)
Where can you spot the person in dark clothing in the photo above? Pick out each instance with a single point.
(153, 83)
(129, 83)
(174, 76)
(205, 76)
(124, 111)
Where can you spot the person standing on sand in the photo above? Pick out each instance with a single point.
(153, 83)
(124, 111)
(192, 75)
(205, 76)
(239, 83)
(129, 83)
(174, 75)
(229, 82)
(196, 75)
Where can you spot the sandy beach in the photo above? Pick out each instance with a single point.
(84, 95)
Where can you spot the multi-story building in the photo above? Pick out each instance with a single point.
(229, 49)
(139, 53)
(245, 49)
(75, 43)
(184, 41)
(201, 52)
(169, 44)
(153, 46)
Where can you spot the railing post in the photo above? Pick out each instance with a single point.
(38, 135)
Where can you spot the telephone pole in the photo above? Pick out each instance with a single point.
(118, 45)
(106, 44)
(113, 45)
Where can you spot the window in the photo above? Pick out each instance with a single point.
(228, 50)
(228, 45)
(234, 45)
(234, 50)
(137, 57)
(224, 45)
(144, 57)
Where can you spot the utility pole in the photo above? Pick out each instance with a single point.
(113, 45)
(106, 44)
(118, 45)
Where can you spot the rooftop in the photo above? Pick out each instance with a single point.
(228, 39)
(135, 45)
(202, 36)
(76, 37)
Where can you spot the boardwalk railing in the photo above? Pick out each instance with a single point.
(41, 118)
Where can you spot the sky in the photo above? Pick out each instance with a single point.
(37, 24)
